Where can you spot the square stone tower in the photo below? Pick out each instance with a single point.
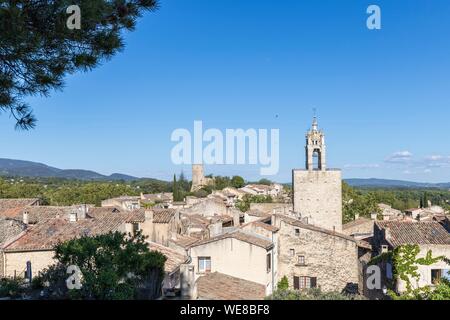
(317, 191)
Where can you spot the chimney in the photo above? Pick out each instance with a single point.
(83, 210)
(356, 216)
(148, 215)
(26, 218)
(73, 217)
(215, 229)
(236, 218)
(374, 216)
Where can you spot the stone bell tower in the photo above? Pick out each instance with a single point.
(315, 148)
(317, 191)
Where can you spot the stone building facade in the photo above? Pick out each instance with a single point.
(317, 191)
(429, 236)
(240, 254)
(310, 256)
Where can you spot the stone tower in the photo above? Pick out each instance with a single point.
(198, 178)
(315, 148)
(317, 191)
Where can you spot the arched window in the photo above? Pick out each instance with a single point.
(317, 159)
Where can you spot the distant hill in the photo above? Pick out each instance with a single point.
(385, 183)
(20, 168)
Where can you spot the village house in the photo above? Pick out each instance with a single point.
(35, 245)
(254, 215)
(274, 190)
(389, 213)
(429, 236)
(311, 256)
(171, 284)
(159, 224)
(240, 254)
(360, 228)
(162, 200)
(10, 208)
(126, 202)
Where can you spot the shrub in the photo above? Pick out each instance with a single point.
(12, 288)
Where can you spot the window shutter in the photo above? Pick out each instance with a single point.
(296, 283)
(314, 282)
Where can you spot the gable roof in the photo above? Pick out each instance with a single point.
(357, 222)
(411, 232)
(163, 215)
(240, 235)
(300, 224)
(174, 258)
(218, 286)
(10, 208)
(47, 234)
(9, 229)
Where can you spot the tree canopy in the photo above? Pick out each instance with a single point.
(113, 266)
(37, 49)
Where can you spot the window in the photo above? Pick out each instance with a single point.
(269, 262)
(436, 275)
(135, 228)
(304, 282)
(297, 232)
(292, 252)
(301, 260)
(389, 273)
(204, 264)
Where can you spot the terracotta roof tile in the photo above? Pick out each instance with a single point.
(174, 258)
(218, 286)
(163, 215)
(47, 234)
(184, 241)
(240, 235)
(410, 232)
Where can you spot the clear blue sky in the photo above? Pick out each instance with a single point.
(382, 96)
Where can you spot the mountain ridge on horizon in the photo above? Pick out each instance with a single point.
(30, 169)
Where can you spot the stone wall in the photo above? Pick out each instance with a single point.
(268, 208)
(16, 262)
(332, 259)
(208, 208)
(318, 197)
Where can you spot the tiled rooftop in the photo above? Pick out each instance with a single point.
(46, 234)
(410, 232)
(174, 258)
(240, 235)
(218, 286)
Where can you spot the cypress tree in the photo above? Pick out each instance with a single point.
(176, 191)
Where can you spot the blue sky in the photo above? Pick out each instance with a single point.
(382, 96)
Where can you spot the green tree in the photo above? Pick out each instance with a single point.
(355, 202)
(244, 204)
(113, 267)
(221, 182)
(266, 182)
(283, 284)
(37, 49)
(177, 196)
(311, 294)
(237, 182)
